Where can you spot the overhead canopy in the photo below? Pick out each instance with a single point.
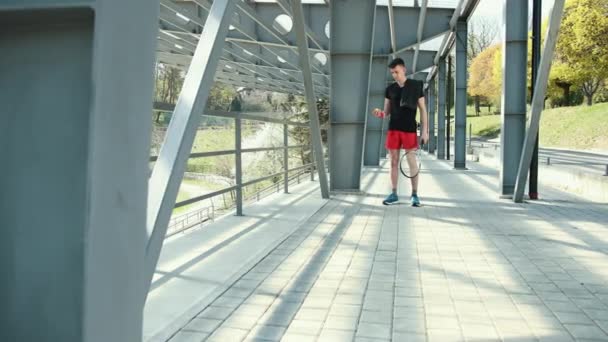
(261, 51)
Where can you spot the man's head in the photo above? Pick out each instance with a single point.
(398, 69)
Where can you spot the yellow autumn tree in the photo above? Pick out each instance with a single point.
(582, 47)
(483, 80)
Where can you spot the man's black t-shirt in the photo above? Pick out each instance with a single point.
(404, 103)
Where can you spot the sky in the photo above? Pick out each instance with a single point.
(492, 9)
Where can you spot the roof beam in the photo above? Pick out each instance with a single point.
(391, 22)
(421, 22)
(463, 11)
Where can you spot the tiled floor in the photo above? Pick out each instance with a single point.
(465, 266)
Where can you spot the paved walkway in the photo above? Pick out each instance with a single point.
(465, 266)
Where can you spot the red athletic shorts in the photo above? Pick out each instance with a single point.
(396, 140)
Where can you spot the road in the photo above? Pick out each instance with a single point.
(584, 161)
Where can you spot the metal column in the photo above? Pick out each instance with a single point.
(77, 84)
(375, 99)
(238, 160)
(432, 103)
(286, 158)
(538, 99)
(450, 97)
(441, 98)
(460, 107)
(536, 40)
(514, 89)
(373, 131)
(169, 169)
(350, 62)
(315, 130)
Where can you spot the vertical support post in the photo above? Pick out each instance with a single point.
(238, 172)
(350, 48)
(461, 96)
(514, 89)
(450, 96)
(538, 99)
(470, 138)
(442, 90)
(75, 147)
(432, 104)
(169, 169)
(286, 157)
(302, 40)
(375, 99)
(536, 40)
(374, 126)
(427, 104)
(312, 168)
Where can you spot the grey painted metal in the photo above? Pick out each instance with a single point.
(537, 8)
(234, 188)
(441, 108)
(450, 97)
(538, 98)
(460, 106)
(374, 126)
(251, 22)
(238, 165)
(514, 89)
(432, 91)
(74, 141)
(269, 44)
(350, 63)
(253, 32)
(286, 158)
(262, 117)
(168, 171)
(406, 21)
(229, 152)
(204, 197)
(312, 170)
(463, 11)
(421, 22)
(391, 23)
(319, 15)
(375, 99)
(298, 16)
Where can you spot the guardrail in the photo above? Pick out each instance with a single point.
(204, 215)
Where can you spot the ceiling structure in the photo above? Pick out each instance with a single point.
(261, 50)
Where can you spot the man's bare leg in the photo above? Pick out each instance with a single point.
(394, 154)
(413, 165)
(393, 198)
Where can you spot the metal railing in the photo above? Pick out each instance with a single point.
(204, 215)
(182, 222)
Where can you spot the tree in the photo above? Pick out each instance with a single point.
(485, 75)
(482, 33)
(301, 135)
(583, 44)
(168, 84)
(220, 97)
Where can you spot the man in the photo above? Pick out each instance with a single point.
(402, 99)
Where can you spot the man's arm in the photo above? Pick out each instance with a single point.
(387, 107)
(387, 110)
(424, 133)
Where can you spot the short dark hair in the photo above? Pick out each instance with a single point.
(395, 62)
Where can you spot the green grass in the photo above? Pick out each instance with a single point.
(486, 126)
(579, 127)
(214, 139)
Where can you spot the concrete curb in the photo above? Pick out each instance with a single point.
(593, 187)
